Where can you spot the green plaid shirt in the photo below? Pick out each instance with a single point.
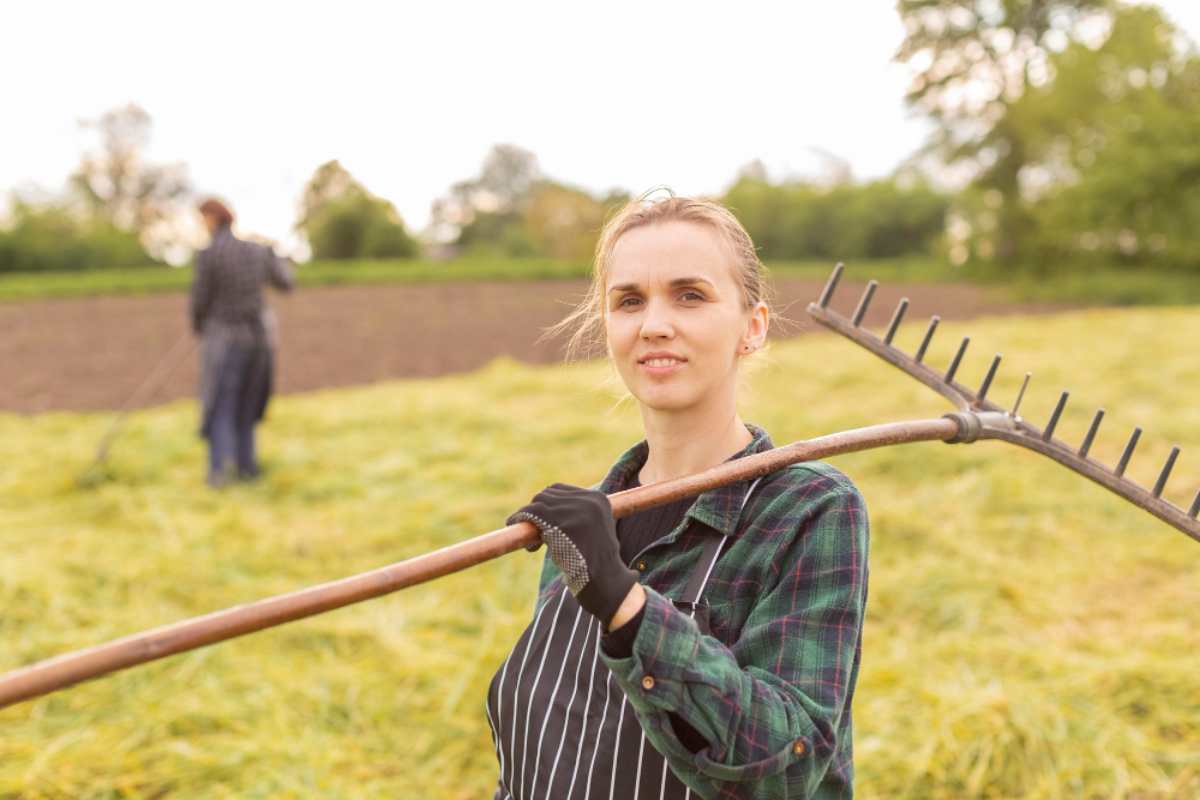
(770, 689)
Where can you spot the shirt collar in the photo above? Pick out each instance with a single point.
(718, 508)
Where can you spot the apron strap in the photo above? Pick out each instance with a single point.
(699, 577)
(708, 558)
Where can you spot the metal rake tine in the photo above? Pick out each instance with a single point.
(1124, 462)
(844, 325)
(962, 349)
(981, 395)
(831, 285)
(897, 315)
(1161, 483)
(980, 419)
(863, 302)
(1048, 434)
(1091, 434)
(933, 323)
(1020, 395)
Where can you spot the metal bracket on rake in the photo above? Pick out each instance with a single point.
(980, 418)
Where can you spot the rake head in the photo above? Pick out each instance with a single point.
(980, 418)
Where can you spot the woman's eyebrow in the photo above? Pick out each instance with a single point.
(690, 280)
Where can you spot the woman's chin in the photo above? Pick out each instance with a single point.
(666, 400)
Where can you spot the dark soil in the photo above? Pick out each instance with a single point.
(94, 353)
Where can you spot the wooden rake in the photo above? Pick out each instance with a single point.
(975, 419)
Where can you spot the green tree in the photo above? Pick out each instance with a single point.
(759, 206)
(342, 220)
(486, 212)
(118, 185)
(800, 220)
(973, 59)
(329, 182)
(887, 218)
(1115, 146)
(54, 236)
(563, 221)
(512, 209)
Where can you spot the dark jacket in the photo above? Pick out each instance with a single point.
(227, 286)
(227, 310)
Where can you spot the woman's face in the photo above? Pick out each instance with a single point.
(675, 316)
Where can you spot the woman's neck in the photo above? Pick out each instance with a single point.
(682, 444)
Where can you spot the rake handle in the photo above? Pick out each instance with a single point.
(166, 365)
(71, 668)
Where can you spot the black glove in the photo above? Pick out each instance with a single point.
(578, 528)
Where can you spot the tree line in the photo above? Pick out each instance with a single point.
(1066, 134)
(1077, 122)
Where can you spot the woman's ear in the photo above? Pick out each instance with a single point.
(756, 329)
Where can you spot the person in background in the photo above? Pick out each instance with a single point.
(236, 353)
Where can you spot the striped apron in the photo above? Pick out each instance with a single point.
(561, 726)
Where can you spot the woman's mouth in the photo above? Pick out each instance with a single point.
(659, 364)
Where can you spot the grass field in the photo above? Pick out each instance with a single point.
(24, 286)
(1088, 287)
(1028, 634)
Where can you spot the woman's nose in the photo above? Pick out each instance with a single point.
(657, 321)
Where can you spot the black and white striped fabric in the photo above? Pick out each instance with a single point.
(561, 726)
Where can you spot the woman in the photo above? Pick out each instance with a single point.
(706, 648)
(228, 313)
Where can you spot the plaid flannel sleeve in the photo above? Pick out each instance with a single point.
(770, 704)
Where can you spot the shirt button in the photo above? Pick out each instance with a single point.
(648, 682)
(798, 747)
(641, 566)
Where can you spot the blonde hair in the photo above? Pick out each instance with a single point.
(586, 322)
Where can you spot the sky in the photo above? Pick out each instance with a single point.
(410, 97)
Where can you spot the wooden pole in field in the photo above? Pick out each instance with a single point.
(71, 668)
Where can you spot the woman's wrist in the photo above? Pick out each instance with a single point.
(629, 608)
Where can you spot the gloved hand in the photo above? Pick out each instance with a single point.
(578, 528)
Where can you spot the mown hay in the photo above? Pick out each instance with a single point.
(1029, 634)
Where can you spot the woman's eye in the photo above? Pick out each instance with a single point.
(691, 296)
(629, 302)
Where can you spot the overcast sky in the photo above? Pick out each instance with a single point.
(409, 97)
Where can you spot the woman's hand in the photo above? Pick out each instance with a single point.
(578, 528)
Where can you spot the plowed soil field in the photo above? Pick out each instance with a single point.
(95, 353)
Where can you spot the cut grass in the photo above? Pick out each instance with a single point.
(30, 285)
(1028, 634)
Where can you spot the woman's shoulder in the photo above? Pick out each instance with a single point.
(791, 498)
(804, 477)
(811, 478)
